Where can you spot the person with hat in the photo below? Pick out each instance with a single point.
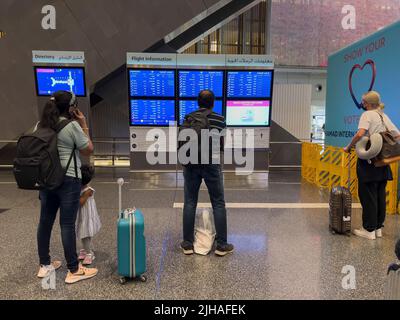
(372, 180)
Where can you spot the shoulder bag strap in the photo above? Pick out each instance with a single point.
(208, 112)
(383, 121)
(73, 155)
(61, 125)
(76, 168)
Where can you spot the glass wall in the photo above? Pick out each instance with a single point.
(243, 35)
(303, 32)
(306, 32)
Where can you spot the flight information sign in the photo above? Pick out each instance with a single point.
(152, 83)
(249, 84)
(152, 112)
(192, 82)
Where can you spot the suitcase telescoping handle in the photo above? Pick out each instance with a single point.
(120, 182)
(127, 212)
(346, 216)
(349, 168)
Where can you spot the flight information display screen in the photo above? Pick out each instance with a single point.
(249, 84)
(243, 113)
(152, 112)
(192, 82)
(52, 79)
(152, 83)
(188, 106)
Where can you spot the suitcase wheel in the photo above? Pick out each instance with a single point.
(124, 280)
(143, 278)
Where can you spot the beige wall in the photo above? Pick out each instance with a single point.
(292, 109)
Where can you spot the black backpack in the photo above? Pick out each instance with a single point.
(197, 121)
(37, 165)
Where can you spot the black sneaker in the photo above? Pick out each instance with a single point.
(187, 248)
(223, 250)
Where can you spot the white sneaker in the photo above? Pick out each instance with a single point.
(378, 233)
(44, 271)
(365, 234)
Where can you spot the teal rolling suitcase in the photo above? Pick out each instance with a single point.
(131, 243)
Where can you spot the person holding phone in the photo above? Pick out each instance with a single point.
(74, 137)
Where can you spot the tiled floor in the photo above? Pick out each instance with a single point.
(280, 253)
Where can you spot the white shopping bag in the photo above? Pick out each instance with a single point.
(204, 233)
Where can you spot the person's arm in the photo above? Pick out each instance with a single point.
(80, 118)
(356, 138)
(85, 196)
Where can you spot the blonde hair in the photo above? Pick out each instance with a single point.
(374, 98)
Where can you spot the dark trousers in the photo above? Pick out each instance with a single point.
(65, 198)
(212, 175)
(373, 200)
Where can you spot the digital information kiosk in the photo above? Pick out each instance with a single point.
(248, 104)
(163, 89)
(152, 105)
(60, 70)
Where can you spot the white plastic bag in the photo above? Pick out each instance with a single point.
(204, 233)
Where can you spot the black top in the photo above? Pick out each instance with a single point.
(367, 172)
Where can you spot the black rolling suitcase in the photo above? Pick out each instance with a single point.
(340, 209)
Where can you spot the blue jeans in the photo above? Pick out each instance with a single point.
(212, 175)
(66, 198)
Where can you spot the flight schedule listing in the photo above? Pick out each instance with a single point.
(192, 82)
(249, 84)
(152, 112)
(152, 83)
(189, 106)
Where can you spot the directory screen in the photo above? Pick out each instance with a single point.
(52, 79)
(248, 113)
(152, 83)
(152, 112)
(249, 84)
(188, 106)
(192, 82)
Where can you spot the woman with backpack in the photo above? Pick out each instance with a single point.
(62, 115)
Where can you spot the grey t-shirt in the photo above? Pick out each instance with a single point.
(69, 136)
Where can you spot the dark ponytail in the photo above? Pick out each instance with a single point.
(57, 106)
(50, 115)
